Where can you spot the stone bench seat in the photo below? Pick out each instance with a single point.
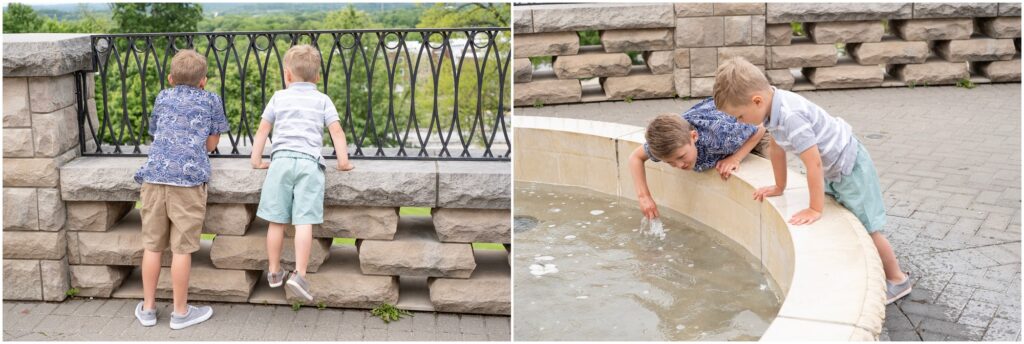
(383, 183)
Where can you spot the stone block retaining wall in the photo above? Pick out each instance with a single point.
(847, 45)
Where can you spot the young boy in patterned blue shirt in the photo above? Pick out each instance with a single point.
(699, 139)
(293, 192)
(186, 124)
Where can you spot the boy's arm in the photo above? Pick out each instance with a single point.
(778, 157)
(340, 146)
(643, 194)
(256, 158)
(211, 142)
(815, 185)
(730, 163)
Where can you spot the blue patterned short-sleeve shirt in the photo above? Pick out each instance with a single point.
(718, 134)
(183, 118)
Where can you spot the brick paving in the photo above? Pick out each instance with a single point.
(113, 319)
(949, 161)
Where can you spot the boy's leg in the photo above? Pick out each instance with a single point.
(276, 207)
(186, 208)
(181, 266)
(303, 242)
(308, 209)
(156, 227)
(150, 275)
(889, 262)
(275, 244)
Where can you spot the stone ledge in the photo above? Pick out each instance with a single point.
(578, 17)
(339, 283)
(46, 54)
(474, 184)
(206, 282)
(472, 225)
(249, 252)
(488, 291)
(817, 12)
(385, 183)
(416, 251)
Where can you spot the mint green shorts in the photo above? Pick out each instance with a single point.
(860, 192)
(294, 190)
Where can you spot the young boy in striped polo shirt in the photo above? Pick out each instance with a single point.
(293, 192)
(836, 162)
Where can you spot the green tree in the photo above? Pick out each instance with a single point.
(19, 18)
(486, 57)
(156, 17)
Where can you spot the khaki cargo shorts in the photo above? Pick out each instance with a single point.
(172, 216)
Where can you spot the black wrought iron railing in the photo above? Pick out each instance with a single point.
(401, 94)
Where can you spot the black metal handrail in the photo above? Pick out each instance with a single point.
(401, 93)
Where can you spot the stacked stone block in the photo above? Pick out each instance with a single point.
(394, 260)
(845, 45)
(40, 135)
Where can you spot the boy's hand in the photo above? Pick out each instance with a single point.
(805, 217)
(767, 191)
(727, 166)
(259, 164)
(345, 165)
(648, 207)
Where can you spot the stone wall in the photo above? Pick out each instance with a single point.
(40, 135)
(72, 222)
(847, 45)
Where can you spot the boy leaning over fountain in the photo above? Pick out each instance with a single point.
(699, 139)
(836, 161)
(186, 123)
(293, 191)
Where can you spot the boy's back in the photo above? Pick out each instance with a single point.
(183, 118)
(798, 124)
(299, 114)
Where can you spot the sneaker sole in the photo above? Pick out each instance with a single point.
(146, 323)
(298, 290)
(899, 296)
(275, 285)
(192, 322)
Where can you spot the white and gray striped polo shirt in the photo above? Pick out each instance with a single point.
(299, 114)
(796, 124)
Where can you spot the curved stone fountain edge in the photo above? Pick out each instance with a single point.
(829, 272)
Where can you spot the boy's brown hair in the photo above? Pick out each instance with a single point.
(666, 133)
(304, 62)
(735, 80)
(188, 68)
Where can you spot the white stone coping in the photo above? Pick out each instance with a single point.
(829, 272)
(46, 54)
(382, 183)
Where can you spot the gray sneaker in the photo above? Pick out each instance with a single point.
(193, 315)
(146, 317)
(299, 286)
(896, 291)
(275, 278)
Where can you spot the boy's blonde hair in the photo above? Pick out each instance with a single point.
(304, 62)
(666, 133)
(188, 68)
(735, 80)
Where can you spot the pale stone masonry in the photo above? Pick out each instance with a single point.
(40, 121)
(70, 222)
(700, 36)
